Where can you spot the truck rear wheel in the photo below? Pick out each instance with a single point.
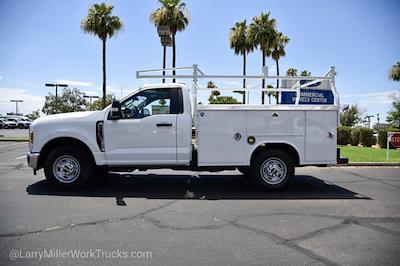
(272, 169)
(67, 168)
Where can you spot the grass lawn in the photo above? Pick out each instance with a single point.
(364, 154)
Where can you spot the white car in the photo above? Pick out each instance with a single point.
(5, 123)
(152, 128)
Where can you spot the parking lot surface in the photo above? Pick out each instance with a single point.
(327, 216)
(14, 132)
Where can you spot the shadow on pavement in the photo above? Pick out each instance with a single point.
(208, 187)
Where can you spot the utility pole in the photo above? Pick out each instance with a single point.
(16, 105)
(56, 85)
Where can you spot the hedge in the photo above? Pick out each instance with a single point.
(343, 135)
(355, 136)
(367, 138)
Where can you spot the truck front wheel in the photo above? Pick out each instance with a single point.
(272, 169)
(67, 167)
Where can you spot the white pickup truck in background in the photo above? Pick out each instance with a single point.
(152, 128)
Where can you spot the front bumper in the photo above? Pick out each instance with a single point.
(33, 158)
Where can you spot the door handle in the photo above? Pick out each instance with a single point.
(164, 124)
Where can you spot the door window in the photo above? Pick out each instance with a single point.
(147, 103)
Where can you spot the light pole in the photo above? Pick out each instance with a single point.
(56, 85)
(368, 119)
(377, 117)
(90, 97)
(165, 37)
(16, 105)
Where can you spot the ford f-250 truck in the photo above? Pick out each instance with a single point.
(152, 128)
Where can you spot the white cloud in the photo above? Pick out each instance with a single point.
(31, 102)
(76, 83)
(369, 99)
(1, 77)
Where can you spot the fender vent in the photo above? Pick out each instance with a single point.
(100, 134)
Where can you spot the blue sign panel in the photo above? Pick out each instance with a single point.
(308, 96)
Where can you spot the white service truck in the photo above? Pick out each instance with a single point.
(163, 126)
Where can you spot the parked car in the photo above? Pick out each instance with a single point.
(5, 123)
(22, 122)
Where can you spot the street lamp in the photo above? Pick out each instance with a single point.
(56, 85)
(90, 97)
(368, 119)
(377, 117)
(16, 105)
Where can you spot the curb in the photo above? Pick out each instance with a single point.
(368, 164)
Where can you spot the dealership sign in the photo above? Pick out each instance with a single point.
(309, 96)
(394, 139)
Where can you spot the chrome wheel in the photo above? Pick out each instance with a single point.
(66, 169)
(273, 171)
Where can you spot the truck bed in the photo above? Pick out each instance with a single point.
(224, 132)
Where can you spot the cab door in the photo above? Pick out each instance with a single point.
(146, 132)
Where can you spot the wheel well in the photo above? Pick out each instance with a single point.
(278, 146)
(52, 144)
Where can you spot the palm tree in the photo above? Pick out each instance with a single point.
(101, 23)
(239, 42)
(261, 33)
(172, 13)
(394, 72)
(305, 73)
(291, 72)
(278, 51)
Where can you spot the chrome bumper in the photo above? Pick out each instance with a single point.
(33, 159)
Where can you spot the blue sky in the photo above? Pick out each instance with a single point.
(41, 42)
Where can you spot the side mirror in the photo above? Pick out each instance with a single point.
(145, 112)
(115, 110)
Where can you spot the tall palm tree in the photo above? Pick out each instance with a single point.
(394, 72)
(261, 33)
(101, 23)
(239, 42)
(278, 51)
(172, 13)
(291, 72)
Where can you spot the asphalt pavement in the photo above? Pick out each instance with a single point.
(327, 216)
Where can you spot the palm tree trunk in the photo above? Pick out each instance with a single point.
(104, 73)
(263, 81)
(173, 56)
(244, 80)
(277, 81)
(164, 61)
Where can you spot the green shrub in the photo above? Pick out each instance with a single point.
(366, 137)
(343, 135)
(355, 136)
(382, 137)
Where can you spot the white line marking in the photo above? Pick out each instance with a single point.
(21, 157)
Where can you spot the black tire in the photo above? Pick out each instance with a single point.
(66, 160)
(1, 126)
(245, 170)
(100, 173)
(272, 169)
(21, 126)
(6, 126)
